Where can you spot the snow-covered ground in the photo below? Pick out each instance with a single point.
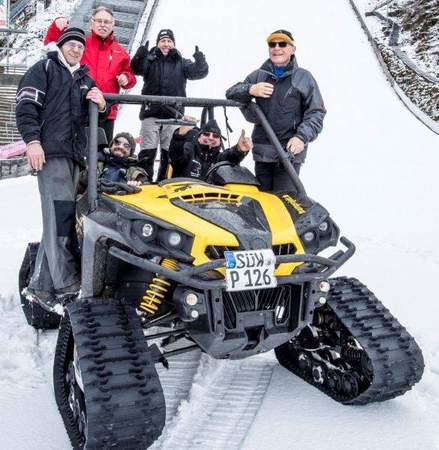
(373, 167)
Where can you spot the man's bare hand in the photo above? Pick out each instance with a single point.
(190, 119)
(245, 144)
(95, 95)
(61, 23)
(184, 130)
(35, 155)
(122, 79)
(264, 90)
(295, 145)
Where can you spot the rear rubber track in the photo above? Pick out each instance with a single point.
(395, 357)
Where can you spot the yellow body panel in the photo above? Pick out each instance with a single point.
(155, 201)
(279, 219)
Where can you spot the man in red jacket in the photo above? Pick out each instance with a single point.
(107, 60)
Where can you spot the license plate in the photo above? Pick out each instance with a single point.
(250, 269)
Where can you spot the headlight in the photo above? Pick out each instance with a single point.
(172, 239)
(309, 236)
(323, 227)
(146, 230)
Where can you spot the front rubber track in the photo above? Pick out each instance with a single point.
(125, 406)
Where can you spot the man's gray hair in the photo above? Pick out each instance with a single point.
(102, 8)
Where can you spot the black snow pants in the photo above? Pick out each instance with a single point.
(273, 177)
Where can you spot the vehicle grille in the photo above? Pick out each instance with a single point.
(274, 299)
(206, 197)
(217, 251)
(284, 249)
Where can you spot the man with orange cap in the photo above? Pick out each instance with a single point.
(291, 100)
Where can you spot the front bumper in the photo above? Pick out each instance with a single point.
(315, 267)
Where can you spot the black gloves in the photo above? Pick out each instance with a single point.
(198, 56)
(116, 188)
(143, 50)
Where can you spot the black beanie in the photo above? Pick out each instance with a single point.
(211, 127)
(71, 34)
(167, 33)
(129, 138)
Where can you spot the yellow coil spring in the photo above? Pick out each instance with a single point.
(157, 289)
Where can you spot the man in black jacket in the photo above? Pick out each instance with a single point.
(291, 100)
(193, 152)
(165, 72)
(52, 111)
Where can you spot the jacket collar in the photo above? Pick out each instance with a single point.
(98, 40)
(173, 55)
(289, 68)
(205, 153)
(55, 56)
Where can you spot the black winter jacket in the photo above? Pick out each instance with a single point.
(52, 108)
(166, 75)
(295, 108)
(190, 159)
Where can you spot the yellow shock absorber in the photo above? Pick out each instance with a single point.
(157, 289)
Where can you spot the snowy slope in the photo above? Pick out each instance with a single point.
(373, 167)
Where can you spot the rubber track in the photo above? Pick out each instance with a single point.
(124, 399)
(396, 358)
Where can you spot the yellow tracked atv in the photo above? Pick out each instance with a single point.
(221, 267)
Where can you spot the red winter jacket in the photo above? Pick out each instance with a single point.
(105, 59)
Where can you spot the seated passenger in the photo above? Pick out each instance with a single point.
(192, 151)
(118, 163)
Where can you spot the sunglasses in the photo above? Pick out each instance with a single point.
(122, 144)
(209, 134)
(282, 44)
(75, 46)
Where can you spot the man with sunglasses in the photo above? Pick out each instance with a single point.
(118, 163)
(291, 100)
(107, 60)
(52, 113)
(193, 151)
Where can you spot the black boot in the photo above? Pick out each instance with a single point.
(164, 161)
(146, 161)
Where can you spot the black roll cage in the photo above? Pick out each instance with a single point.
(206, 103)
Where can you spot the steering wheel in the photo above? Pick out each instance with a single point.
(218, 165)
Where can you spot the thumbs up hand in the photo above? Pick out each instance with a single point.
(198, 55)
(245, 144)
